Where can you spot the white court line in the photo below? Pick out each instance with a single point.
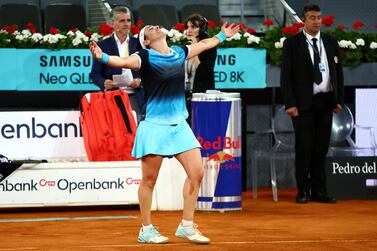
(68, 218)
(188, 243)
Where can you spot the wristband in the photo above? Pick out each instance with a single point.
(221, 36)
(105, 58)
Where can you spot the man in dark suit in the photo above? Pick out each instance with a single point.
(123, 45)
(312, 88)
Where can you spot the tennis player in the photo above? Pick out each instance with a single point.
(163, 130)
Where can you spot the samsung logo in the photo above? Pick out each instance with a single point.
(65, 61)
(39, 130)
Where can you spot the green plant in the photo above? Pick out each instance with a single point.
(356, 47)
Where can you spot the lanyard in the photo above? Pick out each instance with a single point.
(319, 44)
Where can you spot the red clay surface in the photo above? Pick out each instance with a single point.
(261, 225)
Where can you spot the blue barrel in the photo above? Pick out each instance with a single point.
(216, 122)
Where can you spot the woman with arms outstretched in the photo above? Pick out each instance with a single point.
(163, 130)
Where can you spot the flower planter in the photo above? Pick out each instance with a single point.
(364, 74)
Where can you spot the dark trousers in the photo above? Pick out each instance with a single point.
(312, 139)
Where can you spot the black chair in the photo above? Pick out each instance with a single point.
(20, 15)
(114, 3)
(33, 2)
(65, 17)
(297, 5)
(125, 3)
(211, 12)
(159, 14)
(45, 3)
(346, 13)
(135, 4)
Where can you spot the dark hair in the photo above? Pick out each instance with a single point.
(201, 22)
(119, 9)
(310, 7)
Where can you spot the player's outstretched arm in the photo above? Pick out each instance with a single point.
(131, 62)
(227, 31)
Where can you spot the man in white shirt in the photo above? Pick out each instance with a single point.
(120, 43)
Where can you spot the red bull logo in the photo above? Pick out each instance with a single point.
(221, 157)
(220, 143)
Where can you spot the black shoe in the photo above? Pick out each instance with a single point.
(322, 198)
(302, 197)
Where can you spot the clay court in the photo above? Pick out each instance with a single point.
(261, 225)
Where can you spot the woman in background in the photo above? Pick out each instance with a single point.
(200, 69)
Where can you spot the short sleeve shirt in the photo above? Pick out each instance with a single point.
(163, 81)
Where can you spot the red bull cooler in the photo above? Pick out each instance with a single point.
(216, 122)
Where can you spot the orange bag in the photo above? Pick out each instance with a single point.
(107, 125)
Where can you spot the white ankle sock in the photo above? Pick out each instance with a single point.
(187, 223)
(146, 228)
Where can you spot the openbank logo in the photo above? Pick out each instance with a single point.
(69, 186)
(35, 129)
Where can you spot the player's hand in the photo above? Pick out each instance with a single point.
(95, 50)
(230, 30)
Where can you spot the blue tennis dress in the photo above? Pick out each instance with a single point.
(163, 129)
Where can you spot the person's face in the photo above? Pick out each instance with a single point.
(192, 31)
(152, 33)
(312, 22)
(121, 24)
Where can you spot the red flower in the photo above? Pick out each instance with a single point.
(298, 24)
(341, 26)
(290, 30)
(341, 52)
(88, 33)
(242, 26)
(358, 24)
(286, 29)
(268, 22)
(221, 22)
(135, 30)
(31, 27)
(140, 23)
(180, 27)
(211, 24)
(105, 30)
(294, 30)
(10, 29)
(250, 30)
(54, 31)
(73, 30)
(375, 26)
(328, 20)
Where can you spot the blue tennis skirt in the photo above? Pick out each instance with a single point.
(165, 140)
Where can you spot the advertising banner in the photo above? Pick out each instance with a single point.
(49, 70)
(89, 183)
(65, 185)
(352, 177)
(243, 68)
(41, 134)
(68, 70)
(46, 70)
(8, 71)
